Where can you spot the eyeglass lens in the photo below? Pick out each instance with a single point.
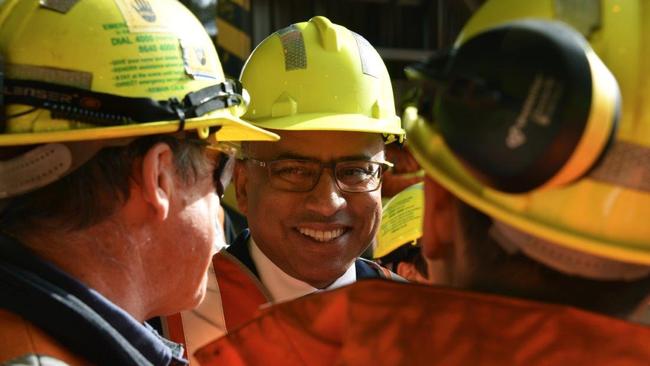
(303, 175)
(223, 173)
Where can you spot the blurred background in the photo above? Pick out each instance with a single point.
(403, 31)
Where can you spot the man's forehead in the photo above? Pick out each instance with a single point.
(321, 145)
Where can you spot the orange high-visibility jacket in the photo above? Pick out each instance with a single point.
(240, 294)
(386, 323)
(20, 340)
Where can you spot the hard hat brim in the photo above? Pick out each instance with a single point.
(232, 129)
(332, 122)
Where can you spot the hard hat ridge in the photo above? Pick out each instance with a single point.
(329, 37)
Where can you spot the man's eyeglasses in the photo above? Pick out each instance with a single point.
(299, 175)
(223, 172)
(224, 164)
(223, 154)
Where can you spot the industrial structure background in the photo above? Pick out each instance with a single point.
(402, 31)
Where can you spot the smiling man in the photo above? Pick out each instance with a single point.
(313, 205)
(313, 199)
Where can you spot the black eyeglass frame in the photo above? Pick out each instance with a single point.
(225, 168)
(223, 173)
(224, 163)
(384, 166)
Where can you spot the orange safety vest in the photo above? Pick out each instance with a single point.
(389, 323)
(20, 338)
(242, 293)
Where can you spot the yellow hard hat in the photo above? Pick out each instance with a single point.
(102, 69)
(401, 220)
(526, 124)
(317, 75)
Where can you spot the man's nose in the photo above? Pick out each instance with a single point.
(326, 198)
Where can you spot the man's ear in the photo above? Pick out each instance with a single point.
(240, 180)
(158, 174)
(411, 273)
(406, 270)
(438, 230)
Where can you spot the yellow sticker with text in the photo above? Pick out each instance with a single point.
(401, 220)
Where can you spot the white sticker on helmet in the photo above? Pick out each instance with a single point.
(62, 6)
(198, 62)
(371, 63)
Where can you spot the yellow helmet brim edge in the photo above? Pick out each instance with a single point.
(233, 129)
(332, 122)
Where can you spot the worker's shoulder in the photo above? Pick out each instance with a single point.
(367, 269)
(22, 343)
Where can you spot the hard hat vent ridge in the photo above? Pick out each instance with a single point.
(329, 37)
(284, 106)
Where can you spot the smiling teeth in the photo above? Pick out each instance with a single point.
(320, 235)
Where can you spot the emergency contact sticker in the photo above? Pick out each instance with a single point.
(143, 15)
(149, 55)
(152, 61)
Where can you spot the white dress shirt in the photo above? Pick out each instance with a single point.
(282, 286)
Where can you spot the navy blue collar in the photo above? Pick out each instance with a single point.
(240, 250)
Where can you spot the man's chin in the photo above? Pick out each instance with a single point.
(323, 278)
(199, 293)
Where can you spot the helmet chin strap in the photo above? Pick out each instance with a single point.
(47, 163)
(563, 259)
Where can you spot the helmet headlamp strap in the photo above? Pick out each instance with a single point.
(104, 109)
(177, 106)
